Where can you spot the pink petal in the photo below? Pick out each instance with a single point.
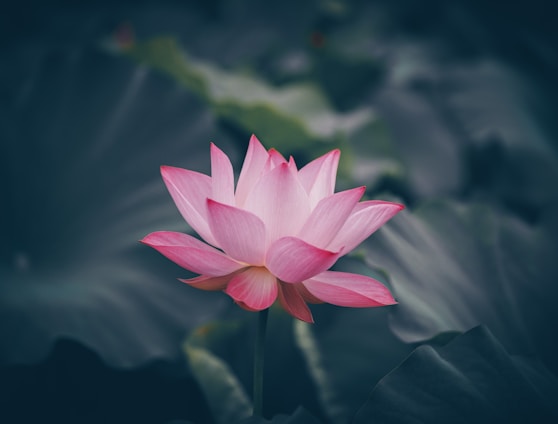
(366, 218)
(318, 177)
(345, 289)
(190, 190)
(329, 216)
(204, 282)
(293, 260)
(191, 253)
(306, 295)
(293, 302)
(254, 163)
(240, 233)
(280, 201)
(222, 177)
(275, 158)
(255, 289)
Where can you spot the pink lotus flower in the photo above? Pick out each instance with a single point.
(276, 235)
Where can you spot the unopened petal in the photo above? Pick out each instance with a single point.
(254, 163)
(293, 260)
(294, 303)
(329, 216)
(318, 177)
(254, 288)
(346, 289)
(222, 177)
(191, 253)
(280, 201)
(240, 233)
(190, 190)
(366, 218)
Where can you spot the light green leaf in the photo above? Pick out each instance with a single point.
(287, 117)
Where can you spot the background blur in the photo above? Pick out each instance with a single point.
(447, 106)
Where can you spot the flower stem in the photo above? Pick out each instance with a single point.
(259, 362)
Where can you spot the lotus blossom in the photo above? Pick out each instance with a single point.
(276, 235)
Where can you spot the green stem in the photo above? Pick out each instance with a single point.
(259, 362)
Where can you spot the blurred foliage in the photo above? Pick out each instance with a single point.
(446, 106)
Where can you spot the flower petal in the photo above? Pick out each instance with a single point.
(191, 253)
(366, 218)
(240, 233)
(345, 289)
(190, 190)
(222, 177)
(204, 282)
(254, 163)
(293, 260)
(280, 201)
(294, 303)
(255, 289)
(318, 177)
(329, 216)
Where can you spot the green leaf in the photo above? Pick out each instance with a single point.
(286, 118)
(224, 393)
(454, 266)
(471, 380)
(76, 268)
(348, 351)
(300, 416)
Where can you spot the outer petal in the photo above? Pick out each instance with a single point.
(318, 177)
(293, 260)
(192, 254)
(255, 289)
(203, 282)
(366, 218)
(222, 177)
(294, 303)
(329, 216)
(240, 233)
(254, 163)
(345, 289)
(280, 201)
(189, 190)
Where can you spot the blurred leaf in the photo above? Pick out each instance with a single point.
(472, 379)
(300, 416)
(453, 266)
(231, 342)
(224, 393)
(83, 138)
(348, 350)
(347, 355)
(286, 117)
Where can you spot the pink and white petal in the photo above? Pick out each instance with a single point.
(222, 177)
(190, 190)
(240, 233)
(366, 218)
(254, 162)
(292, 166)
(191, 253)
(255, 288)
(329, 216)
(293, 260)
(346, 289)
(204, 282)
(294, 303)
(318, 177)
(280, 201)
